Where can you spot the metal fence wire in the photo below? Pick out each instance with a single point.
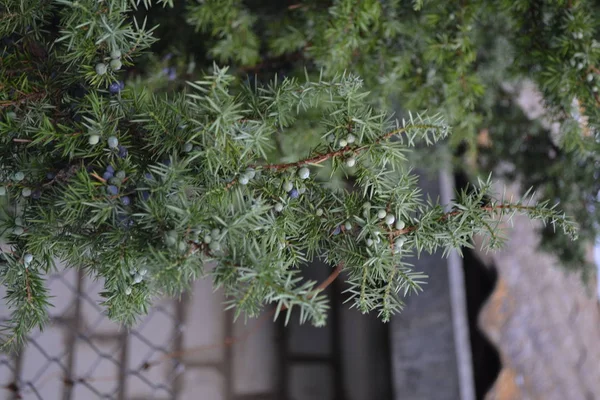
(190, 348)
(83, 355)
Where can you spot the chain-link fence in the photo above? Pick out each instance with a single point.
(188, 348)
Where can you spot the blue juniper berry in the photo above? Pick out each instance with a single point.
(112, 189)
(337, 230)
(114, 88)
(123, 152)
(107, 175)
(294, 193)
(125, 200)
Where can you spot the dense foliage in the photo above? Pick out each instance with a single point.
(144, 171)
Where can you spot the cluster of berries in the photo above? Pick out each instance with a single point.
(115, 63)
(294, 193)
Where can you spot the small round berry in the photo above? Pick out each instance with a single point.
(302, 189)
(123, 151)
(351, 138)
(171, 240)
(367, 205)
(294, 194)
(11, 115)
(110, 168)
(390, 219)
(125, 200)
(319, 212)
(19, 176)
(113, 142)
(121, 174)
(304, 173)
(145, 195)
(107, 175)
(279, 207)
(215, 233)
(243, 180)
(115, 54)
(17, 230)
(143, 272)
(19, 221)
(114, 88)
(399, 243)
(115, 181)
(188, 147)
(28, 258)
(348, 225)
(250, 173)
(100, 68)
(369, 242)
(381, 214)
(116, 65)
(112, 190)
(214, 246)
(337, 230)
(50, 176)
(331, 138)
(590, 77)
(2, 190)
(183, 246)
(26, 192)
(127, 291)
(93, 140)
(400, 225)
(350, 162)
(138, 279)
(343, 143)
(287, 186)
(207, 239)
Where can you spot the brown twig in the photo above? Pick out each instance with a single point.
(319, 158)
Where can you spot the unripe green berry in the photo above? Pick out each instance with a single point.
(26, 192)
(215, 233)
(100, 68)
(250, 173)
(348, 225)
(11, 115)
(390, 219)
(93, 139)
(381, 214)
(302, 189)
(287, 186)
(279, 207)
(319, 212)
(128, 291)
(367, 205)
(369, 242)
(19, 221)
(400, 224)
(116, 65)
(115, 54)
(304, 173)
(214, 246)
(182, 246)
(120, 174)
(113, 142)
(350, 162)
(28, 258)
(207, 239)
(244, 180)
(399, 243)
(351, 138)
(17, 230)
(331, 138)
(2, 190)
(343, 143)
(19, 176)
(188, 147)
